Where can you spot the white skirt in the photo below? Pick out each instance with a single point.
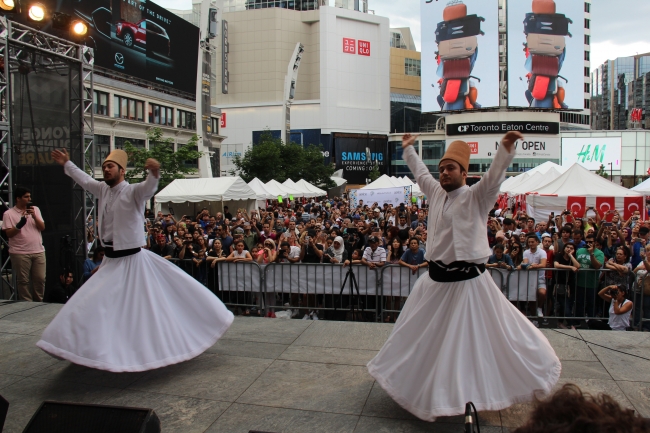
(136, 313)
(459, 342)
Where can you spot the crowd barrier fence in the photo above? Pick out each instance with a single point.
(379, 294)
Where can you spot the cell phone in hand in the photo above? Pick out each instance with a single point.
(30, 205)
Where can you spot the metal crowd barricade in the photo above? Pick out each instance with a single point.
(237, 284)
(396, 284)
(641, 314)
(319, 287)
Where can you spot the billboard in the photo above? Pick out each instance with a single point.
(134, 37)
(358, 155)
(532, 146)
(592, 152)
(546, 54)
(460, 54)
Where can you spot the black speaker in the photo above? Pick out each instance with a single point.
(4, 407)
(58, 417)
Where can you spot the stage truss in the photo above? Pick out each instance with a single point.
(18, 45)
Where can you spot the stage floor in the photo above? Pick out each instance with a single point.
(287, 376)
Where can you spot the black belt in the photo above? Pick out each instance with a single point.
(455, 271)
(112, 254)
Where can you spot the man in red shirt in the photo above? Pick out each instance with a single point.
(23, 225)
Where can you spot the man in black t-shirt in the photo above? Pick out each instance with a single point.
(162, 249)
(310, 251)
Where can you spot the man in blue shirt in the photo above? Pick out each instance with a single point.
(413, 258)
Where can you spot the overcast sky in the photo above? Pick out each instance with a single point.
(616, 26)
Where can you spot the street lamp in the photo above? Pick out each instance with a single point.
(611, 172)
(290, 91)
(635, 161)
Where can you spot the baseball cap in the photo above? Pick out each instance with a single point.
(239, 230)
(377, 209)
(292, 219)
(373, 239)
(546, 235)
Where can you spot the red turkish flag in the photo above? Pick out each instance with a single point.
(631, 205)
(604, 204)
(577, 206)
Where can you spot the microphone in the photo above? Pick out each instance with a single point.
(469, 422)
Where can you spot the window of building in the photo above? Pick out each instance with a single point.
(586, 55)
(586, 87)
(412, 67)
(127, 108)
(100, 103)
(216, 123)
(587, 23)
(161, 115)
(136, 142)
(587, 39)
(432, 149)
(586, 71)
(587, 103)
(186, 119)
(587, 7)
(102, 148)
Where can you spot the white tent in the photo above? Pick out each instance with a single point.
(303, 191)
(189, 195)
(285, 191)
(577, 181)
(308, 186)
(643, 187)
(548, 167)
(415, 188)
(261, 190)
(383, 181)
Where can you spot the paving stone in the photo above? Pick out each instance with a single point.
(584, 370)
(385, 425)
(241, 418)
(247, 349)
(209, 376)
(20, 356)
(177, 414)
(8, 379)
(328, 355)
(568, 345)
(622, 366)
(69, 372)
(639, 395)
(364, 336)
(266, 330)
(309, 386)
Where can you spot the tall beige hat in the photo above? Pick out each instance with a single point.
(459, 152)
(119, 157)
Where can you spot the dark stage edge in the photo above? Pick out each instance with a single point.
(287, 376)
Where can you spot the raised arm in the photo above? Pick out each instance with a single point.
(488, 187)
(61, 157)
(423, 177)
(145, 190)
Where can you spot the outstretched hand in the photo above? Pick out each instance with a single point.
(60, 156)
(153, 166)
(508, 140)
(408, 140)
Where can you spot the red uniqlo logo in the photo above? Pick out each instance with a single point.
(473, 147)
(349, 45)
(364, 48)
(223, 120)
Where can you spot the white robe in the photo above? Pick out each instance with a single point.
(462, 341)
(137, 312)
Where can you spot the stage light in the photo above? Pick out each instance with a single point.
(7, 5)
(79, 28)
(37, 12)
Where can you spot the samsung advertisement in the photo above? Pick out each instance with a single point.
(546, 59)
(134, 37)
(460, 55)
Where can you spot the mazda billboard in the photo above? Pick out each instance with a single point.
(134, 37)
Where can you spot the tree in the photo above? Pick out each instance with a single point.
(173, 165)
(272, 159)
(374, 174)
(601, 172)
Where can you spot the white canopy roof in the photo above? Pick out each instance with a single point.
(643, 187)
(274, 185)
(383, 181)
(548, 167)
(261, 190)
(301, 192)
(578, 181)
(206, 189)
(302, 183)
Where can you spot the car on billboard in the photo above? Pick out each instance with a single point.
(141, 32)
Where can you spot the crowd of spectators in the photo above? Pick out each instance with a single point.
(326, 231)
(573, 253)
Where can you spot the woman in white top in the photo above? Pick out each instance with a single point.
(239, 254)
(619, 310)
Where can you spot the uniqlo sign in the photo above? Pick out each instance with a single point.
(364, 48)
(473, 147)
(349, 45)
(223, 120)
